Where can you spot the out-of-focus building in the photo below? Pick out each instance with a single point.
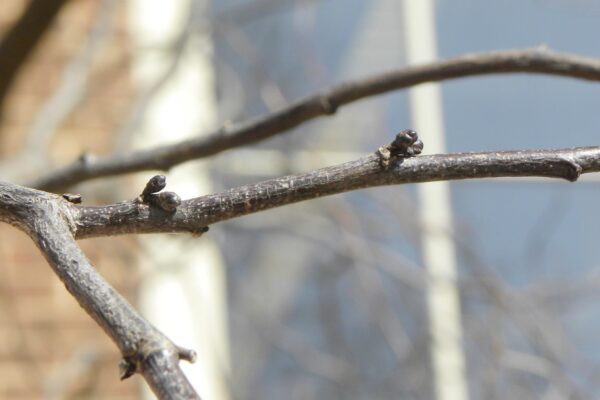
(49, 348)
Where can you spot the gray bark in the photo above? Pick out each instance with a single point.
(537, 60)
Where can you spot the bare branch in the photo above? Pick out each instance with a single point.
(46, 218)
(537, 60)
(195, 214)
(54, 221)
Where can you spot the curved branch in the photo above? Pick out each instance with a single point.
(46, 219)
(195, 214)
(537, 60)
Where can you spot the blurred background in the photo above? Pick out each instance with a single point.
(469, 290)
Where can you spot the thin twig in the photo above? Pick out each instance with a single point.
(195, 214)
(536, 60)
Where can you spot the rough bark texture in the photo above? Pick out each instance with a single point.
(48, 220)
(53, 222)
(195, 214)
(537, 60)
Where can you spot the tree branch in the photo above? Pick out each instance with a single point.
(22, 38)
(195, 214)
(46, 218)
(537, 60)
(54, 222)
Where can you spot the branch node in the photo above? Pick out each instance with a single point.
(327, 106)
(166, 201)
(126, 368)
(542, 48)
(405, 144)
(574, 170)
(148, 350)
(199, 232)
(187, 354)
(85, 159)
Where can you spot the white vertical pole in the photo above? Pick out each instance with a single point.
(435, 213)
(184, 291)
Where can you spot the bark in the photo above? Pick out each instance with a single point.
(48, 220)
(193, 215)
(537, 60)
(54, 222)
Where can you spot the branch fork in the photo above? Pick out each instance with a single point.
(51, 222)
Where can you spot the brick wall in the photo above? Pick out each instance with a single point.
(48, 346)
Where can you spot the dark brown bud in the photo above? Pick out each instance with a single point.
(168, 201)
(155, 184)
(405, 138)
(416, 148)
(406, 143)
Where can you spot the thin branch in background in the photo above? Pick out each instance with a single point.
(372, 287)
(276, 334)
(560, 293)
(316, 361)
(271, 93)
(546, 225)
(254, 10)
(546, 339)
(307, 226)
(222, 23)
(330, 311)
(69, 93)
(73, 84)
(537, 60)
(123, 138)
(22, 39)
(82, 367)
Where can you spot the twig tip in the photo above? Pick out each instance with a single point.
(187, 354)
